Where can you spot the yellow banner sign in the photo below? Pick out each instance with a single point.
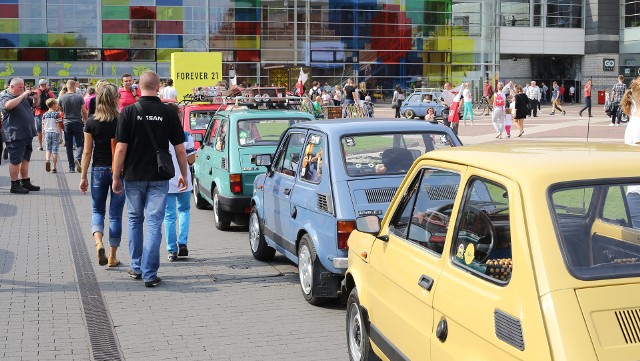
(191, 70)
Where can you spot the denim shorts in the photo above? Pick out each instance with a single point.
(19, 150)
(38, 120)
(52, 140)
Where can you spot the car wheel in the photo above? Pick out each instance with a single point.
(197, 197)
(309, 270)
(261, 251)
(358, 342)
(409, 114)
(219, 216)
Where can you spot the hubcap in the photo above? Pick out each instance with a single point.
(254, 232)
(355, 333)
(305, 270)
(215, 208)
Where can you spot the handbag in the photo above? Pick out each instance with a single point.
(163, 157)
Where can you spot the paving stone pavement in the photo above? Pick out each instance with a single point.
(217, 304)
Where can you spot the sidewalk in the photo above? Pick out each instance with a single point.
(217, 304)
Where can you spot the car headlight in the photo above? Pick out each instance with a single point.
(265, 97)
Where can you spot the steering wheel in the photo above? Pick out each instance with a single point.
(477, 223)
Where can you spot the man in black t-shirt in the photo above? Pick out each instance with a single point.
(144, 188)
(349, 89)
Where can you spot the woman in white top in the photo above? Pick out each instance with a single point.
(337, 96)
(629, 105)
(468, 103)
(497, 118)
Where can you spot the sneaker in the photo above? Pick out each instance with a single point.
(26, 183)
(564, 113)
(617, 125)
(553, 113)
(5, 153)
(40, 148)
(183, 251)
(72, 169)
(611, 125)
(172, 257)
(54, 170)
(133, 274)
(17, 188)
(47, 166)
(508, 135)
(78, 166)
(154, 282)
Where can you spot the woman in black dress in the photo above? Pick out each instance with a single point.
(522, 105)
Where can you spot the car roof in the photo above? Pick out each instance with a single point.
(542, 163)
(338, 127)
(264, 113)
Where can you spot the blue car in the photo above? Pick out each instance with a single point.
(323, 175)
(417, 103)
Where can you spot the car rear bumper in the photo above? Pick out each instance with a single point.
(235, 204)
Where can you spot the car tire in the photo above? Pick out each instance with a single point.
(197, 197)
(309, 270)
(259, 247)
(409, 114)
(219, 216)
(358, 343)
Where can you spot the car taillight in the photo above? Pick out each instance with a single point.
(235, 183)
(344, 230)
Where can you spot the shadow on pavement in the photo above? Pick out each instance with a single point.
(8, 210)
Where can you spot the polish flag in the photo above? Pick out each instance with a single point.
(234, 80)
(302, 78)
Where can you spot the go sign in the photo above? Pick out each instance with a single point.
(608, 64)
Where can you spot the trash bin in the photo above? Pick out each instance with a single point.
(601, 98)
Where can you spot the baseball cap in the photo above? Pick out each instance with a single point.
(42, 81)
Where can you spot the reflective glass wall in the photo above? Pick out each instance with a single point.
(381, 42)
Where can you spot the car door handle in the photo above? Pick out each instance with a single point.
(425, 282)
(287, 191)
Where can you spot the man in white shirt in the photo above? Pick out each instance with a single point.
(533, 93)
(572, 94)
(169, 92)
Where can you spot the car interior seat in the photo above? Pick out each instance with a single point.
(397, 159)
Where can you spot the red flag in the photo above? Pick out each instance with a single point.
(302, 78)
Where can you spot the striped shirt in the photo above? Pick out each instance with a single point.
(618, 92)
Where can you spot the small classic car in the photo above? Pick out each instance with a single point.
(527, 251)
(417, 103)
(323, 175)
(222, 173)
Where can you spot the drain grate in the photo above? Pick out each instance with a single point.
(102, 336)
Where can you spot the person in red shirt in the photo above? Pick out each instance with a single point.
(128, 93)
(587, 98)
(41, 108)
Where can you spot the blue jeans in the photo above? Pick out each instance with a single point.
(184, 215)
(74, 131)
(145, 251)
(587, 105)
(100, 186)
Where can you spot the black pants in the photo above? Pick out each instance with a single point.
(615, 113)
(533, 107)
(74, 131)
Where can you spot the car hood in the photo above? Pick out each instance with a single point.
(373, 195)
(612, 314)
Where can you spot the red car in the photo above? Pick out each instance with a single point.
(196, 118)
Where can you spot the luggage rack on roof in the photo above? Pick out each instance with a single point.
(263, 101)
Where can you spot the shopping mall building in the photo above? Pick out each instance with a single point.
(381, 42)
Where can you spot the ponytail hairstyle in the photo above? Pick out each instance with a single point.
(629, 95)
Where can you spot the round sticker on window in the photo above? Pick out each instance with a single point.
(469, 253)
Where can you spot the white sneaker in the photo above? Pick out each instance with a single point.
(617, 125)
(611, 124)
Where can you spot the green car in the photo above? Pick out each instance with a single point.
(222, 173)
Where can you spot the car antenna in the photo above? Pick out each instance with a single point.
(589, 119)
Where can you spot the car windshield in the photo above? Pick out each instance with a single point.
(200, 119)
(390, 153)
(599, 228)
(263, 131)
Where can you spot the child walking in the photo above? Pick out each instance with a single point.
(52, 134)
(508, 120)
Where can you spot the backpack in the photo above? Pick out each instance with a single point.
(499, 100)
(44, 95)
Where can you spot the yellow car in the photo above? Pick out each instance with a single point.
(513, 251)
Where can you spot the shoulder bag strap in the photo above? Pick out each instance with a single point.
(147, 127)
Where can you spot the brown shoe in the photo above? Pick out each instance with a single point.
(102, 259)
(113, 262)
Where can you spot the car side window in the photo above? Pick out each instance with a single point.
(289, 156)
(424, 215)
(221, 140)
(312, 161)
(615, 207)
(482, 240)
(211, 136)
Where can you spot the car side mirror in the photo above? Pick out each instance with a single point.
(368, 224)
(262, 160)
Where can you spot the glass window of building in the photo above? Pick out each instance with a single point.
(631, 13)
(564, 13)
(514, 13)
